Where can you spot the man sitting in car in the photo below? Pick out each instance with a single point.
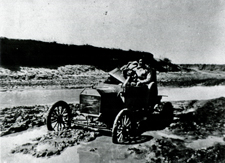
(139, 73)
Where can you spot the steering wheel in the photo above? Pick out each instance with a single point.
(131, 74)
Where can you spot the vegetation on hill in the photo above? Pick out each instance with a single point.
(207, 67)
(27, 53)
(36, 63)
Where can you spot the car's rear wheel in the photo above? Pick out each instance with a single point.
(167, 112)
(122, 127)
(59, 116)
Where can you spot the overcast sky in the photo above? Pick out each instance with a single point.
(185, 31)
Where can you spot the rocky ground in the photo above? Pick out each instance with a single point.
(197, 134)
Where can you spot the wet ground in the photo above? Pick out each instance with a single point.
(197, 134)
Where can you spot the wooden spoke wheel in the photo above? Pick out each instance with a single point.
(59, 116)
(122, 127)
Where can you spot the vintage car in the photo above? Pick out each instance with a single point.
(116, 108)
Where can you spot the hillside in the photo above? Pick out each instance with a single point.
(30, 53)
(36, 63)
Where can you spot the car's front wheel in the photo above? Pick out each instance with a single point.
(122, 127)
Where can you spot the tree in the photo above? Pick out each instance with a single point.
(167, 62)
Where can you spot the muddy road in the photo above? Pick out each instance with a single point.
(196, 135)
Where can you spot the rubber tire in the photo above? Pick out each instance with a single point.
(121, 114)
(64, 105)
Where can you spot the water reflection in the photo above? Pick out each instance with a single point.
(37, 96)
(103, 150)
(192, 93)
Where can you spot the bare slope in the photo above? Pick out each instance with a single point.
(74, 76)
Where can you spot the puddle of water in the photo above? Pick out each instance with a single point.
(37, 97)
(7, 143)
(205, 143)
(103, 150)
(191, 93)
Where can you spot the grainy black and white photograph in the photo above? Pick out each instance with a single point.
(111, 81)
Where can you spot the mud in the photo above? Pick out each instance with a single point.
(21, 118)
(54, 143)
(200, 119)
(197, 134)
(173, 150)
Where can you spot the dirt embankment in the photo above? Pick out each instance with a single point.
(77, 76)
(197, 134)
(194, 74)
(68, 76)
(206, 67)
(194, 77)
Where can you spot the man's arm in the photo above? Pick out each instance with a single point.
(145, 81)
